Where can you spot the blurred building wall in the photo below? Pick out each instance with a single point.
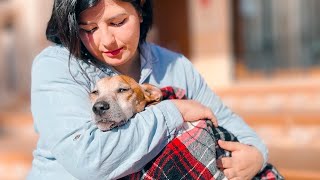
(22, 27)
(211, 40)
(200, 30)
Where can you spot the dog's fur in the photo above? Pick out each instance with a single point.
(116, 99)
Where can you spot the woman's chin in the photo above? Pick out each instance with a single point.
(115, 62)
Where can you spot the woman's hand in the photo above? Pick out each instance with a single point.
(245, 163)
(192, 110)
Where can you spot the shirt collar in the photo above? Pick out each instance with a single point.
(147, 59)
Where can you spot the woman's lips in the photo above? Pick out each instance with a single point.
(114, 52)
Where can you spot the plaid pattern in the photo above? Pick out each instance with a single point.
(191, 154)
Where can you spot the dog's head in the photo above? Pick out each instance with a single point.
(116, 99)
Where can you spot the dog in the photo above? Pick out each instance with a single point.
(118, 98)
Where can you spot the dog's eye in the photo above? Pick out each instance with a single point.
(95, 92)
(120, 90)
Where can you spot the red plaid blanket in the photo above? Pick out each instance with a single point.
(193, 154)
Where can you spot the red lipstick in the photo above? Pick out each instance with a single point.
(113, 52)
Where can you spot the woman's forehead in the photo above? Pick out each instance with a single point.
(106, 8)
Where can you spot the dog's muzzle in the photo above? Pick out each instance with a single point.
(100, 108)
(108, 117)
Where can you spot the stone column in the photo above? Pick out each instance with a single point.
(210, 38)
(5, 40)
(30, 21)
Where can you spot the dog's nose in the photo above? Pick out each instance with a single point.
(100, 107)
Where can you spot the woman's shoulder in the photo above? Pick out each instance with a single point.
(59, 55)
(159, 51)
(163, 55)
(53, 51)
(51, 55)
(53, 62)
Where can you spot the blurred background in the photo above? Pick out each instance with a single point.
(261, 56)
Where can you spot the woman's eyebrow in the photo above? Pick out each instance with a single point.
(116, 16)
(109, 19)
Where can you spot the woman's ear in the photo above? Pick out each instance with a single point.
(152, 94)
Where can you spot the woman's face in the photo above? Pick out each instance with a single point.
(110, 31)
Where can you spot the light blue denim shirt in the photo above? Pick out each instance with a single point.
(71, 147)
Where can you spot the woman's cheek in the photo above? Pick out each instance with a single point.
(86, 38)
(88, 41)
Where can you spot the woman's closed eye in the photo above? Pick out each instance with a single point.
(114, 24)
(118, 23)
(89, 30)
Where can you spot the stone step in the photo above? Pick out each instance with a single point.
(290, 136)
(14, 165)
(296, 159)
(17, 141)
(284, 119)
(16, 118)
(290, 174)
(269, 87)
(293, 150)
(273, 97)
(15, 157)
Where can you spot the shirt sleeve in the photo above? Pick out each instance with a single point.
(199, 90)
(61, 111)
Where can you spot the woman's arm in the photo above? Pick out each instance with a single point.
(61, 111)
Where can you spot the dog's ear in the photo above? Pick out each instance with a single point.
(152, 94)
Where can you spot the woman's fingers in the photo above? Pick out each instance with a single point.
(230, 173)
(230, 145)
(224, 163)
(211, 117)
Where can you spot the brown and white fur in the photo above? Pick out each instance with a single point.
(116, 99)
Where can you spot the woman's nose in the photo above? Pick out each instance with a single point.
(107, 38)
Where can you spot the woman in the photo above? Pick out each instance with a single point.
(98, 38)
